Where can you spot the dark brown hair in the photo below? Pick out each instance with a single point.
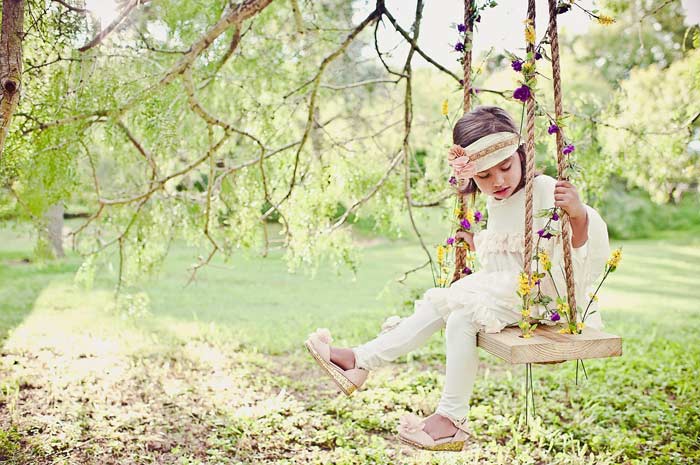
(480, 122)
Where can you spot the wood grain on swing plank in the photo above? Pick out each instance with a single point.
(548, 345)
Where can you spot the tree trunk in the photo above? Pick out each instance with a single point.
(54, 228)
(10, 63)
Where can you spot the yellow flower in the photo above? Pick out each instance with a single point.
(445, 108)
(580, 325)
(614, 259)
(563, 308)
(544, 260)
(528, 69)
(470, 215)
(445, 270)
(457, 211)
(441, 255)
(530, 34)
(525, 285)
(442, 281)
(605, 20)
(564, 331)
(593, 297)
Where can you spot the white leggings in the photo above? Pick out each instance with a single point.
(414, 331)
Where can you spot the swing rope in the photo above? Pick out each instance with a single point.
(461, 253)
(529, 151)
(561, 161)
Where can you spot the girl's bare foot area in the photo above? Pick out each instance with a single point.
(438, 426)
(344, 358)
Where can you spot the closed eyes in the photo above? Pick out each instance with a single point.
(503, 168)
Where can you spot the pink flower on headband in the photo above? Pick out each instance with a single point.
(459, 164)
(456, 151)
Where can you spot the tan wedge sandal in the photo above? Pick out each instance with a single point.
(318, 344)
(411, 432)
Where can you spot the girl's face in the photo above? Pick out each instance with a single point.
(501, 180)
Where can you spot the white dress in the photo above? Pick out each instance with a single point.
(489, 294)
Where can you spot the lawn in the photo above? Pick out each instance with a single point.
(214, 372)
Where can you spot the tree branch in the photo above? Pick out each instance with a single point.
(113, 25)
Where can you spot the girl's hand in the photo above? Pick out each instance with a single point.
(467, 237)
(566, 197)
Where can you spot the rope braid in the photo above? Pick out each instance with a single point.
(529, 153)
(461, 253)
(561, 161)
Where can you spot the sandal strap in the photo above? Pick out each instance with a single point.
(460, 424)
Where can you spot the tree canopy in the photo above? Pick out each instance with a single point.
(214, 123)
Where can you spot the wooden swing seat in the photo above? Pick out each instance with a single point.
(547, 345)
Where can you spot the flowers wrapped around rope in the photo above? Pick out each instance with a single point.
(543, 268)
(468, 221)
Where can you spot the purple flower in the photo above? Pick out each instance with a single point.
(466, 270)
(450, 240)
(555, 217)
(461, 28)
(465, 224)
(453, 180)
(522, 93)
(517, 65)
(553, 128)
(461, 82)
(537, 283)
(538, 55)
(555, 317)
(477, 216)
(543, 234)
(459, 46)
(568, 149)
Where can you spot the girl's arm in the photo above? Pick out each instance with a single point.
(579, 230)
(566, 196)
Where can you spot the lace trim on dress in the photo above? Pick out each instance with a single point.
(494, 241)
(478, 305)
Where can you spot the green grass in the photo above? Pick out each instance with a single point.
(215, 372)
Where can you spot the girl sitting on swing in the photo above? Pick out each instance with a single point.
(485, 300)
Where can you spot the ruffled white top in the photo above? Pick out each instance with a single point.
(489, 294)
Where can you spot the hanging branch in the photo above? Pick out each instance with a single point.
(408, 120)
(316, 81)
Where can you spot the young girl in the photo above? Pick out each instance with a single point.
(485, 300)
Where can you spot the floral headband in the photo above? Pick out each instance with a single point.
(487, 151)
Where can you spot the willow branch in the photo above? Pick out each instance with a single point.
(373, 16)
(394, 163)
